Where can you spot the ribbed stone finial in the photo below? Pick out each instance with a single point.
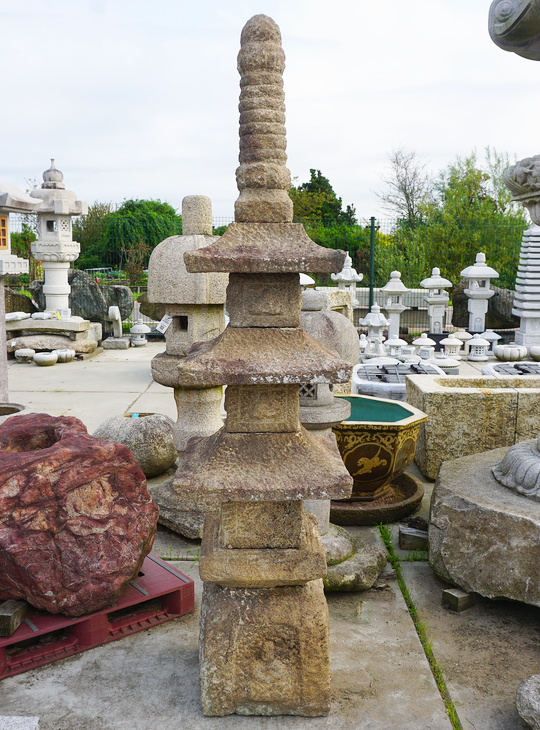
(262, 177)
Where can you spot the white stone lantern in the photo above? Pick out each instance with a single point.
(394, 290)
(437, 300)
(55, 247)
(478, 277)
(425, 346)
(394, 346)
(347, 279)
(452, 346)
(464, 336)
(138, 332)
(375, 322)
(478, 348)
(492, 338)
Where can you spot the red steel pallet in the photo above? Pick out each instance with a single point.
(158, 594)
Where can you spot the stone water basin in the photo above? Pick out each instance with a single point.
(377, 443)
(469, 415)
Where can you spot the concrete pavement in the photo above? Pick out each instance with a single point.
(380, 676)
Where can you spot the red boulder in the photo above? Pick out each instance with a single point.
(76, 517)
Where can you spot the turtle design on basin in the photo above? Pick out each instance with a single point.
(377, 443)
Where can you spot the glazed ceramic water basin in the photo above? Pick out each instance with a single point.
(377, 442)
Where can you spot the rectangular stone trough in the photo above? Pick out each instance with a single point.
(469, 415)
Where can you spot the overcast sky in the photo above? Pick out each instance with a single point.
(138, 99)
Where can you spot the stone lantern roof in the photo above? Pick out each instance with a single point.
(374, 318)
(348, 275)
(435, 281)
(395, 285)
(14, 200)
(54, 196)
(479, 270)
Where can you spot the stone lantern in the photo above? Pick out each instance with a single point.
(394, 289)
(478, 291)
(12, 200)
(194, 309)
(55, 247)
(523, 180)
(375, 322)
(394, 346)
(464, 336)
(347, 279)
(493, 338)
(138, 332)
(425, 346)
(437, 300)
(452, 346)
(478, 348)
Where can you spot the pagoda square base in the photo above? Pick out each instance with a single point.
(264, 651)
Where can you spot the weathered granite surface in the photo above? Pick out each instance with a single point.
(51, 342)
(149, 438)
(528, 701)
(470, 415)
(484, 537)
(76, 519)
(264, 651)
(356, 571)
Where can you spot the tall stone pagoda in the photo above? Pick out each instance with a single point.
(264, 619)
(523, 181)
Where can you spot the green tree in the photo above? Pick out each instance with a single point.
(124, 237)
(316, 201)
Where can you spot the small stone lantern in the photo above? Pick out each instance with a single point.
(425, 346)
(375, 322)
(478, 348)
(55, 247)
(452, 346)
(394, 346)
(464, 336)
(395, 289)
(138, 332)
(437, 300)
(478, 291)
(348, 278)
(492, 338)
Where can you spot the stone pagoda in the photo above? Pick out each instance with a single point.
(264, 620)
(436, 300)
(55, 247)
(523, 181)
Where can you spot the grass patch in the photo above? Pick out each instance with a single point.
(421, 628)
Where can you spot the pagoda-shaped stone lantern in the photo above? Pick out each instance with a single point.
(12, 200)
(264, 620)
(478, 277)
(347, 279)
(55, 247)
(437, 300)
(452, 346)
(523, 180)
(194, 310)
(394, 289)
(375, 321)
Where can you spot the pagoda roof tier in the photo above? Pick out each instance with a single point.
(253, 356)
(273, 248)
(255, 467)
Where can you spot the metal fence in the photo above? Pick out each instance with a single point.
(413, 251)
